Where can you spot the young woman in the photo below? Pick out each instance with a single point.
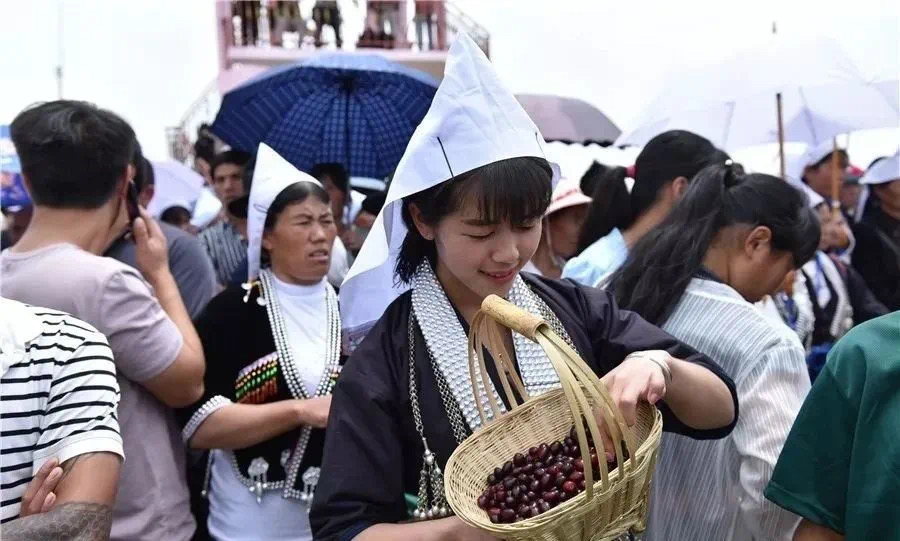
(728, 242)
(617, 218)
(274, 352)
(562, 225)
(463, 215)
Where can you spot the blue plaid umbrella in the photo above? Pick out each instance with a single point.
(355, 109)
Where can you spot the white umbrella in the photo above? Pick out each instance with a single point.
(734, 103)
(177, 185)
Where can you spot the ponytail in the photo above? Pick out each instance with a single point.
(661, 265)
(669, 155)
(610, 208)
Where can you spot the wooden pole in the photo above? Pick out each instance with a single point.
(780, 136)
(836, 177)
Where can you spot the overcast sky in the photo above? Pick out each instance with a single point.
(149, 60)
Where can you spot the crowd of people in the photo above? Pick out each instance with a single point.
(299, 369)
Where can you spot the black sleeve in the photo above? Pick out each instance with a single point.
(865, 305)
(616, 333)
(878, 265)
(361, 482)
(216, 330)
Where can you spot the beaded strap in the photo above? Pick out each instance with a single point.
(208, 408)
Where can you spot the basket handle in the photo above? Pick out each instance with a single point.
(574, 375)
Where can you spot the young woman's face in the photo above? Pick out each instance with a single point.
(300, 242)
(755, 268)
(565, 227)
(477, 259)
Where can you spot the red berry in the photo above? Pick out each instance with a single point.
(551, 496)
(581, 485)
(482, 502)
(556, 448)
(576, 476)
(579, 464)
(500, 495)
(533, 451)
(507, 467)
(508, 515)
(519, 459)
(569, 487)
(543, 506)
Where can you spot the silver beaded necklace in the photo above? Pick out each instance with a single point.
(291, 460)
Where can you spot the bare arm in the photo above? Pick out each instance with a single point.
(181, 384)
(694, 394)
(698, 397)
(237, 426)
(810, 531)
(83, 509)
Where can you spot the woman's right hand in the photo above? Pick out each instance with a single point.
(457, 530)
(314, 411)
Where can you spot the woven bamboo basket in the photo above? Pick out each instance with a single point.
(609, 506)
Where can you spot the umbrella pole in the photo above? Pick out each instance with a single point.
(835, 178)
(780, 136)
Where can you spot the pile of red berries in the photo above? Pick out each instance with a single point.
(533, 483)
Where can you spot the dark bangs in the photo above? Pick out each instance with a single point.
(517, 190)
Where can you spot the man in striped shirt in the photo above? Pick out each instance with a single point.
(59, 399)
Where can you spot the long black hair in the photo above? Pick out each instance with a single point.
(660, 265)
(517, 190)
(667, 156)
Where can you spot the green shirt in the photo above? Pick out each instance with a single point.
(840, 466)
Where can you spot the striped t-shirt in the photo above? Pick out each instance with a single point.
(226, 248)
(58, 395)
(713, 490)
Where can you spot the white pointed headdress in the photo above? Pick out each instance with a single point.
(473, 121)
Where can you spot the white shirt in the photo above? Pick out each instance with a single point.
(234, 513)
(59, 395)
(714, 489)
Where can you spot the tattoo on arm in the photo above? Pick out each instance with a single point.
(73, 521)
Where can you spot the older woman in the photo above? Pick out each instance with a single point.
(274, 353)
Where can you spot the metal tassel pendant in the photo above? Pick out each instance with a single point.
(430, 476)
(257, 472)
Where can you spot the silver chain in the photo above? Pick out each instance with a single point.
(431, 471)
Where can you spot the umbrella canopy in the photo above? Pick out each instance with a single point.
(733, 103)
(569, 120)
(356, 109)
(177, 185)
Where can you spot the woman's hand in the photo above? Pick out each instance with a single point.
(636, 378)
(314, 411)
